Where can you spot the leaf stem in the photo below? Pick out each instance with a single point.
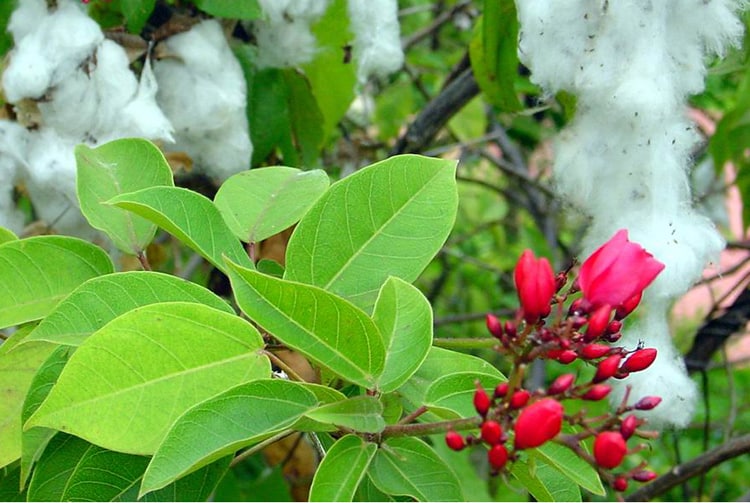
(412, 430)
(239, 458)
(294, 376)
(143, 259)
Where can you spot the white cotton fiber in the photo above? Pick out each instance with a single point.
(14, 141)
(377, 42)
(203, 93)
(624, 158)
(284, 35)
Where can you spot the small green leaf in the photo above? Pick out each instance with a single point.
(360, 413)
(100, 300)
(342, 469)
(404, 317)
(231, 9)
(190, 217)
(115, 168)
(545, 483)
(36, 273)
(259, 203)
(35, 440)
(455, 391)
(335, 334)
(306, 119)
(18, 366)
(129, 381)
(569, 464)
(221, 425)
(409, 467)
(136, 13)
(7, 235)
(389, 219)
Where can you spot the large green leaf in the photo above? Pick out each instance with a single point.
(116, 168)
(342, 469)
(129, 381)
(306, 119)
(136, 13)
(36, 273)
(362, 413)
(7, 235)
(455, 391)
(409, 467)
(327, 329)
(404, 317)
(34, 441)
(545, 483)
(18, 366)
(102, 299)
(224, 424)
(231, 9)
(572, 466)
(75, 470)
(190, 217)
(259, 203)
(389, 219)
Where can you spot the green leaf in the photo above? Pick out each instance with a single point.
(115, 168)
(342, 469)
(224, 424)
(36, 273)
(404, 317)
(18, 366)
(7, 235)
(198, 486)
(332, 78)
(10, 487)
(306, 119)
(360, 413)
(35, 440)
(455, 392)
(136, 13)
(493, 54)
(409, 467)
(327, 329)
(231, 9)
(129, 381)
(545, 483)
(389, 219)
(570, 465)
(259, 203)
(102, 299)
(190, 217)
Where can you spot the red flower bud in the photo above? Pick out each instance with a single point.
(628, 426)
(609, 449)
(579, 307)
(644, 476)
(607, 368)
(492, 432)
(614, 326)
(454, 440)
(482, 401)
(647, 403)
(560, 280)
(567, 356)
(510, 329)
(519, 399)
(639, 360)
(598, 322)
(535, 283)
(593, 351)
(597, 392)
(561, 384)
(627, 307)
(620, 483)
(617, 271)
(539, 422)
(611, 338)
(494, 326)
(501, 390)
(497, 456)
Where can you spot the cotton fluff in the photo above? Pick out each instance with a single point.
(284, 36)
(377, 43)
(13, 144)
(86, 93)
(203, 93)
(624, 158)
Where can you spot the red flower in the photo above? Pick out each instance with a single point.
(609, 449)
(618, 271)
(539, 422)
(535, 283)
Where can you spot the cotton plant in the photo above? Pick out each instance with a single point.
(624, 159)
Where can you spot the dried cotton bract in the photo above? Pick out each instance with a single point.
(624, 158)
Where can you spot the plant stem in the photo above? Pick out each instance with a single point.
(411, 430)
(239, 458)
(143, 259)
(464, 343)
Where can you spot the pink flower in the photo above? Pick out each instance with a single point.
(617, 272)
(535, 283)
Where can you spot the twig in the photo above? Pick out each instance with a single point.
(239, 458)
(696, 466)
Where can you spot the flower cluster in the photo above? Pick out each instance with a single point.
(568, 321)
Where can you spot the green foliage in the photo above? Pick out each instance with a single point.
(342, 470)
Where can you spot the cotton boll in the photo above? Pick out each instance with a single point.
(142, 116)
(51, 52)
(26, 17)
(377, 44)
(277, 11)
(285, 44)
(13, 145)
(203, 94)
